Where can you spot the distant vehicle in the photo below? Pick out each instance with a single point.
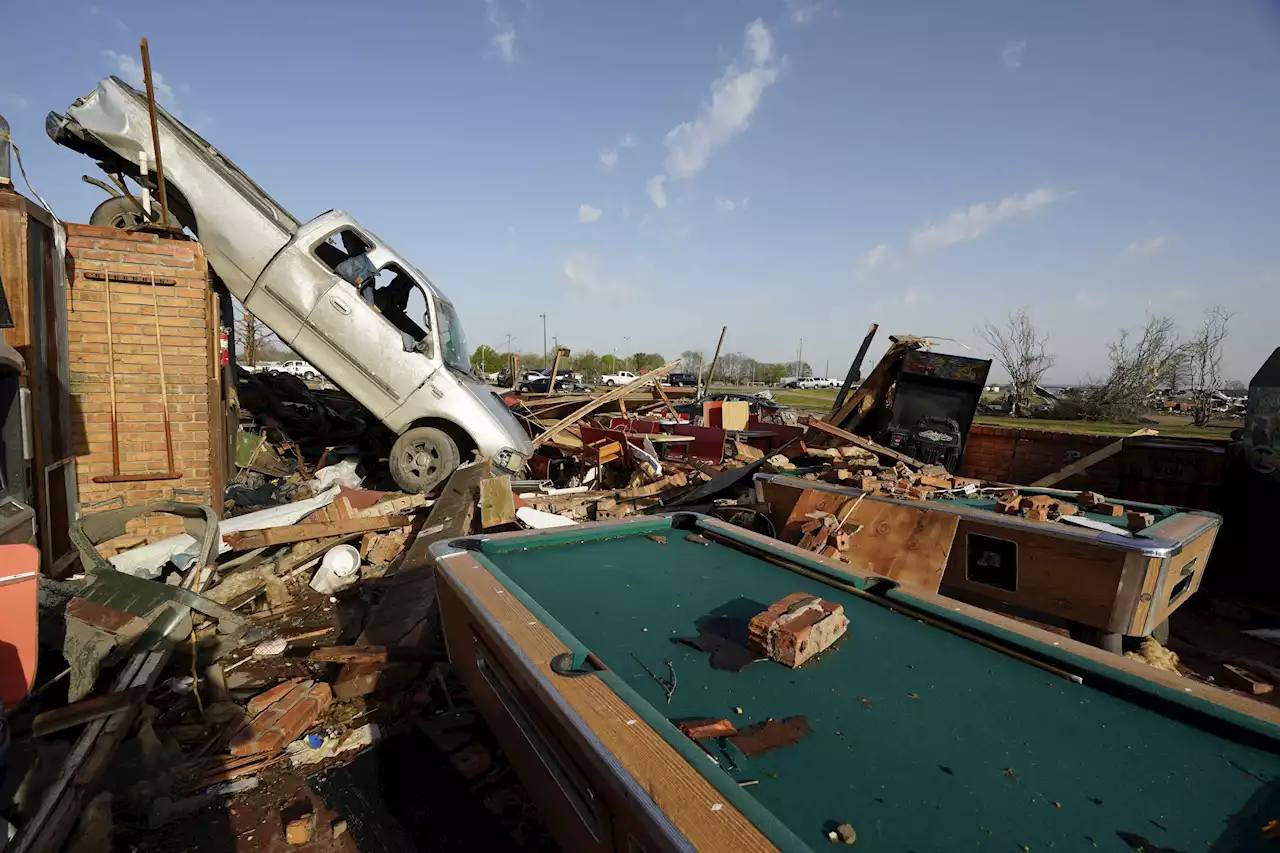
(680, 380)
(622, 377)
(810, 383)
(301, 369)
(565, 381)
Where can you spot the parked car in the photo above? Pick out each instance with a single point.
(331, 289)
(622, 377)
(300, 368)
(566, 381)
(680, 380)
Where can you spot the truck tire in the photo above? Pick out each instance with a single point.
(422, 459)
(610, 382)
(118, 212)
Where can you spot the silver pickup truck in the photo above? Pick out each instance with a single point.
(329, 288)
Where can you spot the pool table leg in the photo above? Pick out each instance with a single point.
(1110, 641)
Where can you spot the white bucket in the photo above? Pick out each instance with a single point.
(339, 568)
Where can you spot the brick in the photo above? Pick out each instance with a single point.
(1138, 521)
(1036, 513)
(264, 700)
(1113, 510)
(794, 629)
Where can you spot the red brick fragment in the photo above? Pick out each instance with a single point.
(1137, 521)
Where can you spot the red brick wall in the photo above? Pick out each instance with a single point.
(184, 324)
(1025, 455)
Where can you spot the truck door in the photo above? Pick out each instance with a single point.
(343, 334)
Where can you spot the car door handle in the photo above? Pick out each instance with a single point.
(340, 305)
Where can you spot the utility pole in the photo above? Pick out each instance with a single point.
(626, 358)
(800, 360)
(544, 336)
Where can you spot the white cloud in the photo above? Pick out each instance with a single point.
(511, 229)
(585, 273)
(609, 157)
(657, 193)
(1148, 247)
(976, 220)
(111, 19)
(873, 259)
(627, 141)
(734, 98)
(914, 297)
(729, 205)
(130, 70)
(503, 40)
(12, 99)
(804, 11)
(1011, 55)
(587, 213)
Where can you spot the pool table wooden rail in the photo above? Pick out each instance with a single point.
(640, 793)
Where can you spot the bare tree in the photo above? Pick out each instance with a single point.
(1137, 365)
(253, 335)
(1203, 358)
(1019, 348)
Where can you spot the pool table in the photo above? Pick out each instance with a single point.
(932, 725)
(1102, 582)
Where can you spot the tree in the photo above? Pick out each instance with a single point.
(588, 364)
(253, 335)
(691, 361)
(645, 361)
(609, 363)
(1019, 348)
(1137, 364)
(1202, 356)
(486, 359)
(1235, 388)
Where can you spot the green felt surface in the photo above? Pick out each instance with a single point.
(921, 740)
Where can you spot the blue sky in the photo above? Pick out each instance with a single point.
(645, 172)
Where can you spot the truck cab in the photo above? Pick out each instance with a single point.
(337, 294)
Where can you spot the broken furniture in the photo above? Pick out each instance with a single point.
(1085, 569)
(917, 402)
(115, 613)
(564, 640)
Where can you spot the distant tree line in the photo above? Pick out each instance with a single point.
(732, 368)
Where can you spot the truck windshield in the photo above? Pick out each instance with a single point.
(453, 343)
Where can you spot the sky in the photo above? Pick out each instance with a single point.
(643, 173)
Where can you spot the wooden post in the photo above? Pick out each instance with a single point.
(702, 389)
(551, 388)
(855, 369)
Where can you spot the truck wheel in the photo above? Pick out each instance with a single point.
(118, 212)
(610, 382)
(312, 376)
(422, 458)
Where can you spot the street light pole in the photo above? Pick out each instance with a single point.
(544, 336)
(626, 359)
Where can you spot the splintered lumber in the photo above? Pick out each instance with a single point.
(313, 530)
(497, 504)
(369, 654)
(865, 443)
(705, 382)
(604, 399)
(85, 711)
(871, 392)
(1092, 459)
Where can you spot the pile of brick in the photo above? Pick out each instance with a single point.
(899, 481)
(280, 715)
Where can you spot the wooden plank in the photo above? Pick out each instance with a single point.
(315, 530)
(872, 391)
(368, 654)
(865, 443)
(1094, 458)
(616, 394)
(497, 504)
(85, 711)
(703, 386)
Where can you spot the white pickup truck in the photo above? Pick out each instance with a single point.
(622, 377)
(330, 288)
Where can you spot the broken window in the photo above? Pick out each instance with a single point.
(401, 301)
(347, 253)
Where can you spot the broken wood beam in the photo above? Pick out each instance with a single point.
(85, 711)
(604, 399)
(1080, 465)
(314, 530)
(865, 443)
(369, 654)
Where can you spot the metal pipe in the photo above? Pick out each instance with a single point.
(155, 133)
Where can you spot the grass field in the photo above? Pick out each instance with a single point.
(1171, 425)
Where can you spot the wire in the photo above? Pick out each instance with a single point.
(17, 155)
